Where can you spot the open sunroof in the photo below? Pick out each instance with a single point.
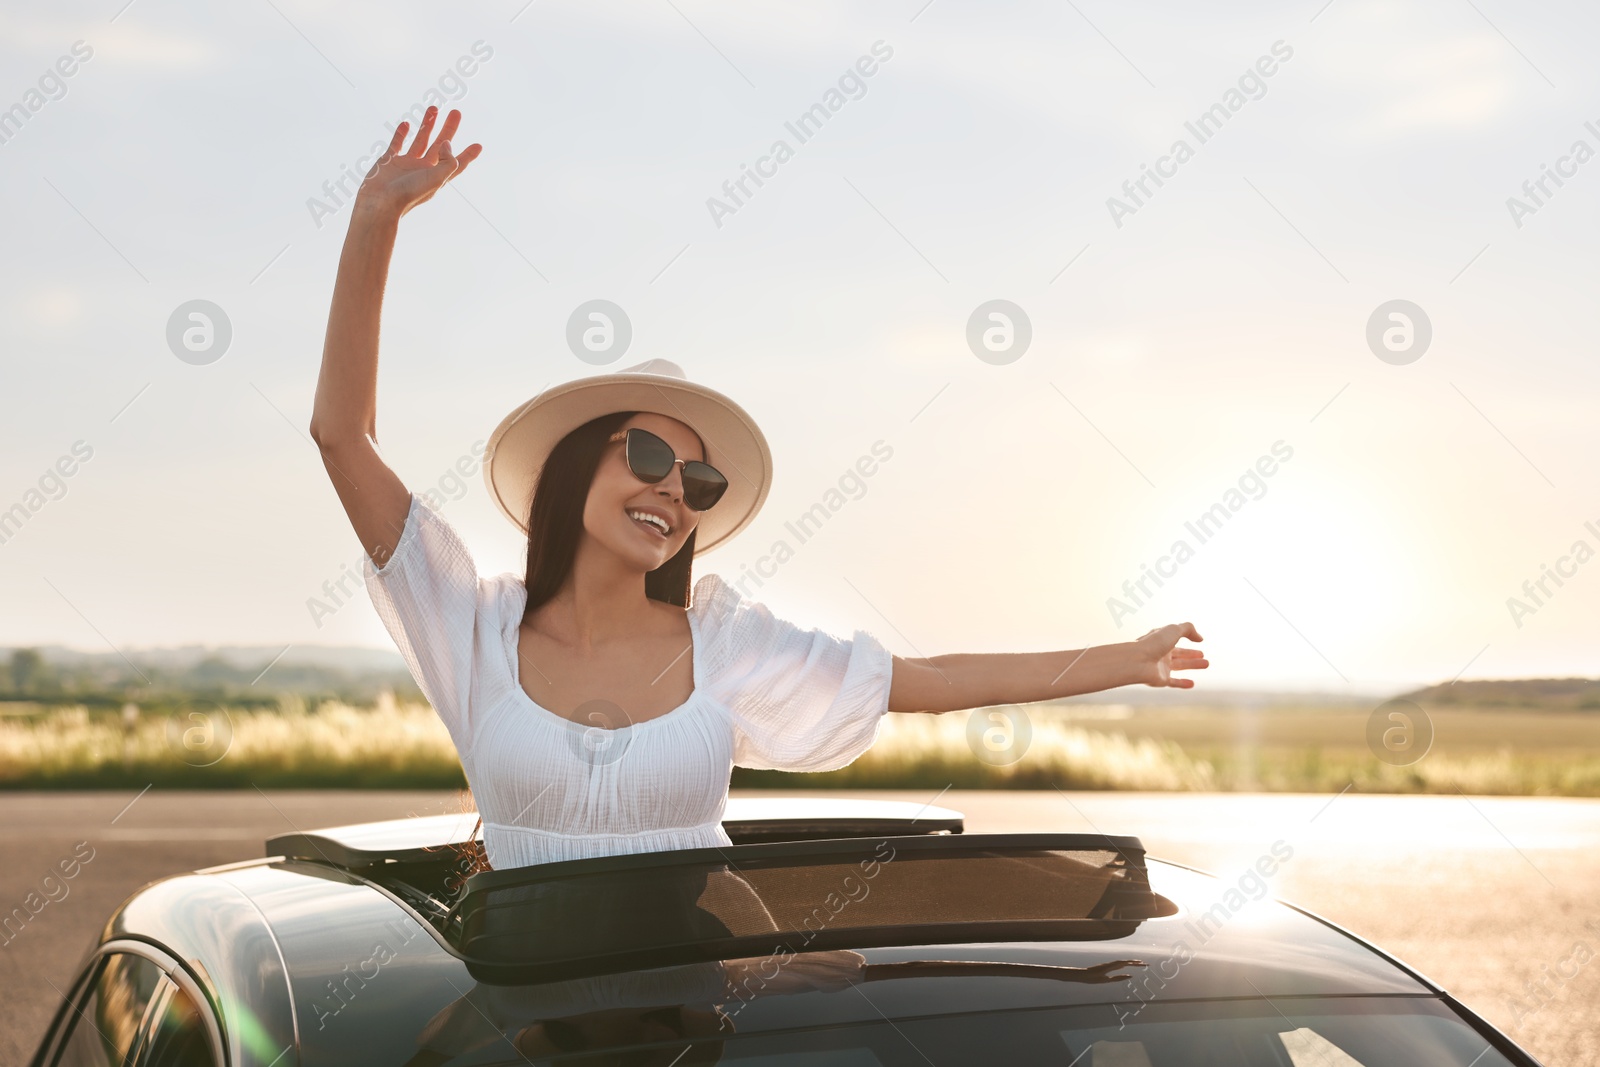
(614, 913)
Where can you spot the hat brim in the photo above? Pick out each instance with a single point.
(734, 443)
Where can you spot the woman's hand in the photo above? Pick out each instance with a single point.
(1157, 656)
(400, 180)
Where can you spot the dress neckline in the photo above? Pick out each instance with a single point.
(510, 626)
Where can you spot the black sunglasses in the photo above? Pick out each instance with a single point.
(651, 459)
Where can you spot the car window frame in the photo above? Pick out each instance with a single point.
(152, 1011)
(171, 968)
(169, 990)
(70, 1016)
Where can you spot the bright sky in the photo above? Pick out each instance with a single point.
(1356, 153)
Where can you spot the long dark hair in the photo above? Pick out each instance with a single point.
(555, 519)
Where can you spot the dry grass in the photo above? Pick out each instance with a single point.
(915, 751)
(405, 746)
(402, 746)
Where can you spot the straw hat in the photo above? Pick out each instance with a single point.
(734, 443)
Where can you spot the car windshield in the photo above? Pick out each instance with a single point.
(1280, 1031)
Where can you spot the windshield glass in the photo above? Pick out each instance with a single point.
(1319, 1031)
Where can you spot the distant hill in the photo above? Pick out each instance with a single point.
(351, 658)
(1544, 693)
(248, 674)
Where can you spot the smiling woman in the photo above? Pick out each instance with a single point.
(600, 701)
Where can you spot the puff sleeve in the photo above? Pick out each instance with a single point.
(800, 700)
(427, 595)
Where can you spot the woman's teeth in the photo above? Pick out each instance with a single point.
(654, 522)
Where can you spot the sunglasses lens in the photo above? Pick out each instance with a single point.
(703, 485)
(649, 457)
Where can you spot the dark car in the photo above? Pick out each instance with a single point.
(831, 932)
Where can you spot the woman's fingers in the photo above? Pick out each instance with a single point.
(408, 177)
(1175, 632)
(447, 131)
(398, 139)
(442, 151)
(420, 145)
(395, 142)
(1162, 644)
(459, 162)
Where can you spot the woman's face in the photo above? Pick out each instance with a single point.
(616, 497)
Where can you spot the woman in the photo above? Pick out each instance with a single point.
(598, 707)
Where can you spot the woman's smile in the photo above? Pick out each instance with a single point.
(653, 520)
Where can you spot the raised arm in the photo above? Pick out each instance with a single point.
(344, 418)
(980, 680)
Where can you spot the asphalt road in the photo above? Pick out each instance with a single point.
(1494, 898)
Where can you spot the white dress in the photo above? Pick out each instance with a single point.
(767, 694)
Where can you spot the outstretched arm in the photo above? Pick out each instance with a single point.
(344, 417)
(980, 680)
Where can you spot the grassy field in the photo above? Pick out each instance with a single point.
(1072, 746)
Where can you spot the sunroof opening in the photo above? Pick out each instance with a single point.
(658, 909)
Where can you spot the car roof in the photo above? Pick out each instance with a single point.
(307, 950)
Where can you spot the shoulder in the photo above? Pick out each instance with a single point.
(713, 599)
(718, 602)
(505, 595)
(427, 541)
(728, 620)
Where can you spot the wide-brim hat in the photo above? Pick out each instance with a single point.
(734, 443)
